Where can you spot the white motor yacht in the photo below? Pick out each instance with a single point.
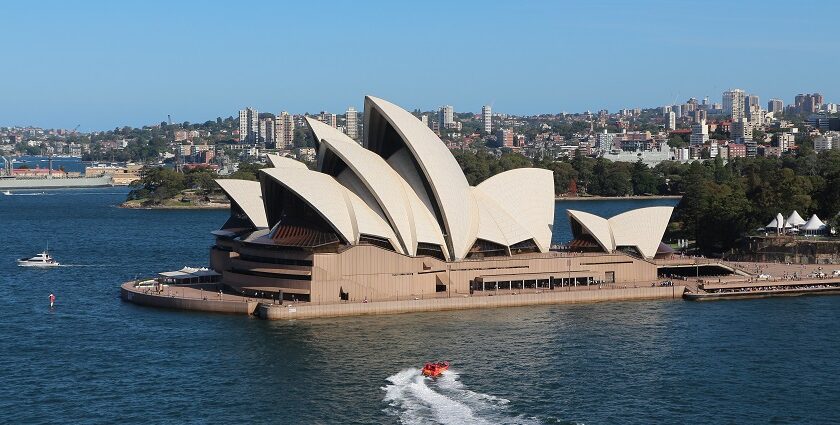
(41, 260)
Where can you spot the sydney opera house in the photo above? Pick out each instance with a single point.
(394, 218)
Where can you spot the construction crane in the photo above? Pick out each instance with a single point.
(77, 128)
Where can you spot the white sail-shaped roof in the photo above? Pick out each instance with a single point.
(278, 161)
(411, 221)
(346, 213)
(813, 224)
(496, 224)
(795, 219)
(772, 225)
(595, 226)
(449, 188)
(248, 196)
(641, 228)
(532, 209)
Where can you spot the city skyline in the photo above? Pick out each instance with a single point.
(100, 65)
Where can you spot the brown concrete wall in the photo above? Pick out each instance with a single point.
(213, 306)
(220, 259)
(377, 274)
(239, 264)
(366, 271)
(301, 311)
(239, 280)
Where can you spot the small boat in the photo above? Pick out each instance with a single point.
(433, 370)
(41, 260)
(7, 192)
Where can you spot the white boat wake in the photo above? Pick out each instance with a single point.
(415, 399)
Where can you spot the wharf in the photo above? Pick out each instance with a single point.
(764, 288)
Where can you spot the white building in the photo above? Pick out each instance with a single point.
(487, 118)
(284, 130)
(824, 143)
(741, 129)
(755, 115)
(446, 116)
(249, 126)
(671, 121)
(351, 123)
(734, 103)
(699, 134)
(786, 141)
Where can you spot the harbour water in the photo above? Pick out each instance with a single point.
(95, 359)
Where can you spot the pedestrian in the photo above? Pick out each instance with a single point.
(52, 300)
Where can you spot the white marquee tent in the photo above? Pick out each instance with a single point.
(795, 219)
(814, 226)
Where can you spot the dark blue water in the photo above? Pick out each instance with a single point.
(94, 359)
(71, 165)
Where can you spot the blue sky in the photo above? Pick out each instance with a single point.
(104, 64)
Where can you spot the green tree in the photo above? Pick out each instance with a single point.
(644, 181)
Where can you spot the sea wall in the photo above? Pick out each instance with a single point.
(303, 311)
(180, 303)
(787, 249)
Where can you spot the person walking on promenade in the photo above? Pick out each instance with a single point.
(52, 300)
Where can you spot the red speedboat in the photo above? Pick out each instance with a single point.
(435, 369)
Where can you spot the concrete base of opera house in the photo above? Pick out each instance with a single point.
(195, 298)
(203, 299)
(287, 312)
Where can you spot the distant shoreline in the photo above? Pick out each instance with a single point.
(614, 198)
(139, 206)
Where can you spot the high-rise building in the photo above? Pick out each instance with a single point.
(755, 115)
(741, 130)
(699, 134)
(249, 126)
(671, 121)
(808, 103)
(284, 130)
(734, 103)
(487, 118)
(328, 119)
(750, 101)
(425, 120)
(700, 115)
(504, 137)
(446, 116)
(775, 106)
(677, 110)
(351, 123)
(266, 131)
